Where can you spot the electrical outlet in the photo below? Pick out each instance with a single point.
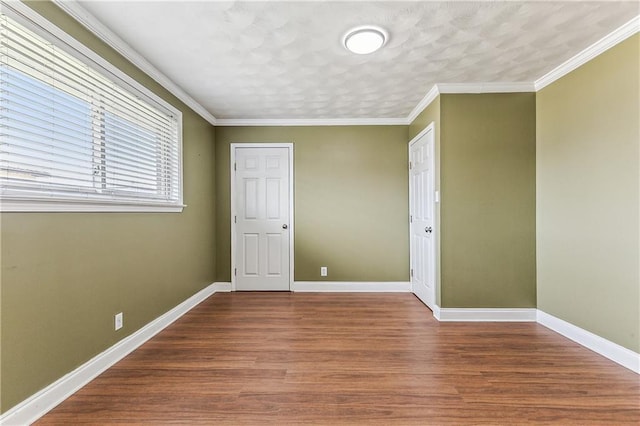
(323, 271)
(118, 321)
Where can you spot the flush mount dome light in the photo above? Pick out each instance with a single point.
(365, 39)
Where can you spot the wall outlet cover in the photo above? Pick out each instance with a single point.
(118, 321)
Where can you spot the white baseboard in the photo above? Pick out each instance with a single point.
(222, 287)
(37, 405)
(616, 353)
(436, 311)
(34, 407)
(355, 286)
(486, 314)
(619, 354)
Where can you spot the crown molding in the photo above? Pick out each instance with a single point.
(451, 88)
(607, 42)
(431, 95)
(73, 8)
(229, 122)
(597, 48)
(90, 22)
(472, 88)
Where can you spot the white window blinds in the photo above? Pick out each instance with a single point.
(70, 133)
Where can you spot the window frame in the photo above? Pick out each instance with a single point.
(33, 21)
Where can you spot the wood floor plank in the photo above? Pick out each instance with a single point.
(374, 359)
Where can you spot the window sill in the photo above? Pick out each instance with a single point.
(87, 206)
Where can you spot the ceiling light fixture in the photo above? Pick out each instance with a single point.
(364, 40)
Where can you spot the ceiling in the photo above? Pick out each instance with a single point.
(285, 60)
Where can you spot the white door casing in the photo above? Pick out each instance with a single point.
(422, 215)
(261, 216)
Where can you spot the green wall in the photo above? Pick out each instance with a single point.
(431, 114)
(487, 174)
(65, 275)
(485, 148)
(351, 200)
(588, 196)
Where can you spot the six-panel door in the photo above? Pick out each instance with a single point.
(421, 192)
(262, 218)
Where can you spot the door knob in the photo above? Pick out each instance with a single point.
(285, 226)
(428, 229)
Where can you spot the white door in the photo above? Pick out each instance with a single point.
(422, 223)
(262, 195)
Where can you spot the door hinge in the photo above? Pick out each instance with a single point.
(235, 166)
(411, 272)
(410, 165)
(235, 271)
(235, 219)
(410, 218)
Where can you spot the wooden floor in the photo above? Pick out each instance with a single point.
(295, 358)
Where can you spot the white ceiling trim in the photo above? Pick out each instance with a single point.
(431, 95)
(312, 122)
(80, 14)
(600, 46)
(77, 12)
(607, 42)
(485, 87)
(451, 88)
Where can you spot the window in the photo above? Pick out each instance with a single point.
(75, 135)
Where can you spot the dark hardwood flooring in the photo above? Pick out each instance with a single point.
(304, 358)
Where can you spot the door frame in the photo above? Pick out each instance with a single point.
(289, 146)
(436, 214)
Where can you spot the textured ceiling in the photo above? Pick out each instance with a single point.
(267, 60)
